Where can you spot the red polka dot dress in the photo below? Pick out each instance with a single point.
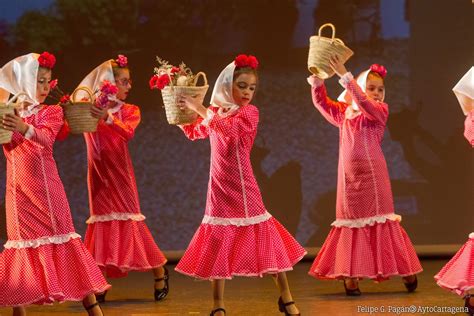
(366, 239)
(458, 274)
(237, 236)
(117, 235)
(44, 259)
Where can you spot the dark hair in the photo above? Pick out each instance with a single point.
(245, 70)
(375, 74)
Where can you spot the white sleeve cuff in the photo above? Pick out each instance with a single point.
(209, 117)
(29, 132)
(314, 81)
(110, 119)
(345, 79)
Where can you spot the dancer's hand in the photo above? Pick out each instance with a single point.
(13, 122)
(99, 113)
(336, 64)
(188, 102)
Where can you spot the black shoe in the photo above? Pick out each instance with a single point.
(100, 297)
(352, 292)
(411, 286)
(160, 294)
(217, 310)
(470, 308)
(282, 307)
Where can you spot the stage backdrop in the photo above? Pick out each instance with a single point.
(296, 152)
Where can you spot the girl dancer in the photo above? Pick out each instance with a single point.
(237, 236)
(117, 235)
(44, 259)
(366, 240)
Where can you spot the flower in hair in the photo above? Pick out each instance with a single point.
(379, 69)
(122, 60)
(246, 61)
(46, 60)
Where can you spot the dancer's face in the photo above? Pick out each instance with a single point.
(243, 88)
(42, 84)
(124, 83)
(375, 88)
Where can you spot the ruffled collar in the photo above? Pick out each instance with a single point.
(30, 110)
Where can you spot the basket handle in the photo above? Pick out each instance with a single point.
(331, 26)
(15, 97)
(86, 89)
(339, 41)
(197, 76)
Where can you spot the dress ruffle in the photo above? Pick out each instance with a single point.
(35, 243)
(122, 246)
(458, 274)
(361, 222)
(116, 216)
(48, 273)
(225, 251)
(374, 252)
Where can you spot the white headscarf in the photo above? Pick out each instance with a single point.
(20, 75)
(464, 91)
(222, 93)
(95, 78)
(362, 83)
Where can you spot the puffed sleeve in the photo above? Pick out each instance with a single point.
(124, 127)
(196, 130)
(469, 128)
(245, 121)
(43, 130)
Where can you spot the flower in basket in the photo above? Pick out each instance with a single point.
(57, 94)
(166, 74)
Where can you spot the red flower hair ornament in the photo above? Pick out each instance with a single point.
(379, 69)
(122, 61)
(46, 60)
(246, 61)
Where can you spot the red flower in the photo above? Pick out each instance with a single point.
(153, 81)
(379, 69)
(175, 70)
(46, 60)
(65, 99)
(162, 81)
(108, 88)
(246, 61)
(122, 60)
(53, 84)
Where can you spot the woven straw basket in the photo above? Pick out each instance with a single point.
(78, 114)
(8, 108)
(322, 48)
(174, 114)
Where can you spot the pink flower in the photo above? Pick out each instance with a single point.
(379, 69)
(108, 88)
(153, 81)
(122, 61)
(175, 70)
(102, 100)
(53, 84)
(47, 60)
(65, 99)
(243, 60)
(162, 81)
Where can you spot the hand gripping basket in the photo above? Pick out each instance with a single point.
(322, 48)
(174, 114)
(8, 108)
(78, 113)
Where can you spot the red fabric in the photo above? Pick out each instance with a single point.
(469, 128)
(458, 274)
(363, 191)
(123, 245)
(37, 207)
(254, 246)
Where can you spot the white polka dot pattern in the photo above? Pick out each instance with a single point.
(246, 243)
(458, 274)
(117, 235)
(47, 261)
(381, 248)
(469, 128)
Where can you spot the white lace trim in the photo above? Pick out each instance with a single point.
(209, 117)
(116, 217)
(471, 235)
(345, 79)
(361, 222)
(244, 221)
(35, 243)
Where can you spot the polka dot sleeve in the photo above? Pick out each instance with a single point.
(244, 122)
(332, 111)
(126, 126)
(46, 126)
(373, 110)
(196, 130)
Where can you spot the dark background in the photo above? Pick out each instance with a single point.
(426, 50)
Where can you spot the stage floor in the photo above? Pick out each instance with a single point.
(254, 296)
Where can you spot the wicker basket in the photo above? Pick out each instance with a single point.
(78, 114)
(322, 48)
(8, 108)
(174, 114)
